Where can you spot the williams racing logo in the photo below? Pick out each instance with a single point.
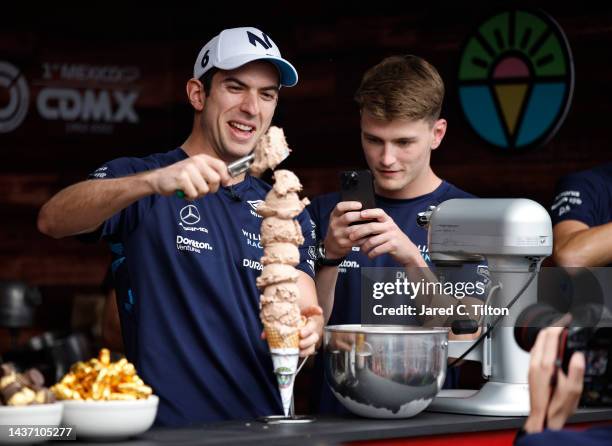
(252, 239)
(254, 204)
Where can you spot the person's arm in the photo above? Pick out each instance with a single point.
(311, 334)
(383, 236)
(84, 206)
(551, 406)
(577, 244)
(325, 281)
(111, 327)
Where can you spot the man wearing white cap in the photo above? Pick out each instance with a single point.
(187, 297)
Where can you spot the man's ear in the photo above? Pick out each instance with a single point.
(195, 93)
(439, 130)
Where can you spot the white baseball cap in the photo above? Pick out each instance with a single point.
(235, 47)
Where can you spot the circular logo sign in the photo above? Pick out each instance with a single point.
(516, 79)
(190, 214)
(15, 98)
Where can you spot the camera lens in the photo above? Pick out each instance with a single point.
(531, 321)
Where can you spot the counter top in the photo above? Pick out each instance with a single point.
(329, 431)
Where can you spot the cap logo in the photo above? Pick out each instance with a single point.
(205, 59)
(264, 40)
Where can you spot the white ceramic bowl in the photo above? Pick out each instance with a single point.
(48, 415)
(110, 420)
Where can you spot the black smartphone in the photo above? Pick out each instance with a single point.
(357, 185)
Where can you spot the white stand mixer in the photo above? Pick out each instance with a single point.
(514, 236)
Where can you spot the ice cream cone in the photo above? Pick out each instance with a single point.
(285, 361)
(277, 340)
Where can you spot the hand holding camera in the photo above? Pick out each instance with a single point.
(554, 395)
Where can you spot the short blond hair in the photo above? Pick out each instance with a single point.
(402, 87)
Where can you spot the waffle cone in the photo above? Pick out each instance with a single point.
(276, 340)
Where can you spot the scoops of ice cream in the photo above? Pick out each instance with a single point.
(285, 206)
(276, 230)
(284, 253)
(280, 314)
(280, 236)
(270, 150)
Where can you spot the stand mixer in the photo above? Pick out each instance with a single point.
(513, 236)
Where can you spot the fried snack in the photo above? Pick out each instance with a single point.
(99, 379)
(22, 389)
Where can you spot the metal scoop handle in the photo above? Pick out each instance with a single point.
(241, 165)
(236, 168)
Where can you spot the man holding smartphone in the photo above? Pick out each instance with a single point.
(400, 100)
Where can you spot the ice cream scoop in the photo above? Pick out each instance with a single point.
(270, 151)
(283, 206)
(286, 253)
(286, 181)
(276, 273)
(280, 292)
(284, 315)
(278, 230)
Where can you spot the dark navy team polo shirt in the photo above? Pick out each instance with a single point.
(188, 302)
(347, 299)
(584, 196)
(597, 436)
(347, 306)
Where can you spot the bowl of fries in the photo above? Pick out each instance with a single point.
(106, 400)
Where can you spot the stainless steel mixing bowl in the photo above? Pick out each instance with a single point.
(385, 371)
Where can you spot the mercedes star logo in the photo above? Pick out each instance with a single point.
(190, 214)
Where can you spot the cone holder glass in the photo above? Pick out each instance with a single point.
(292, 418)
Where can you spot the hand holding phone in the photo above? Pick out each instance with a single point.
(357, 185)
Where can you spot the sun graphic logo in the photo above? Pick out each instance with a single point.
(14, 97)
(516, 79)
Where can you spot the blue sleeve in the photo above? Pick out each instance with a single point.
(120, 225)
(314, 212)
(320, 210)
(575, 199)
(307, 250)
